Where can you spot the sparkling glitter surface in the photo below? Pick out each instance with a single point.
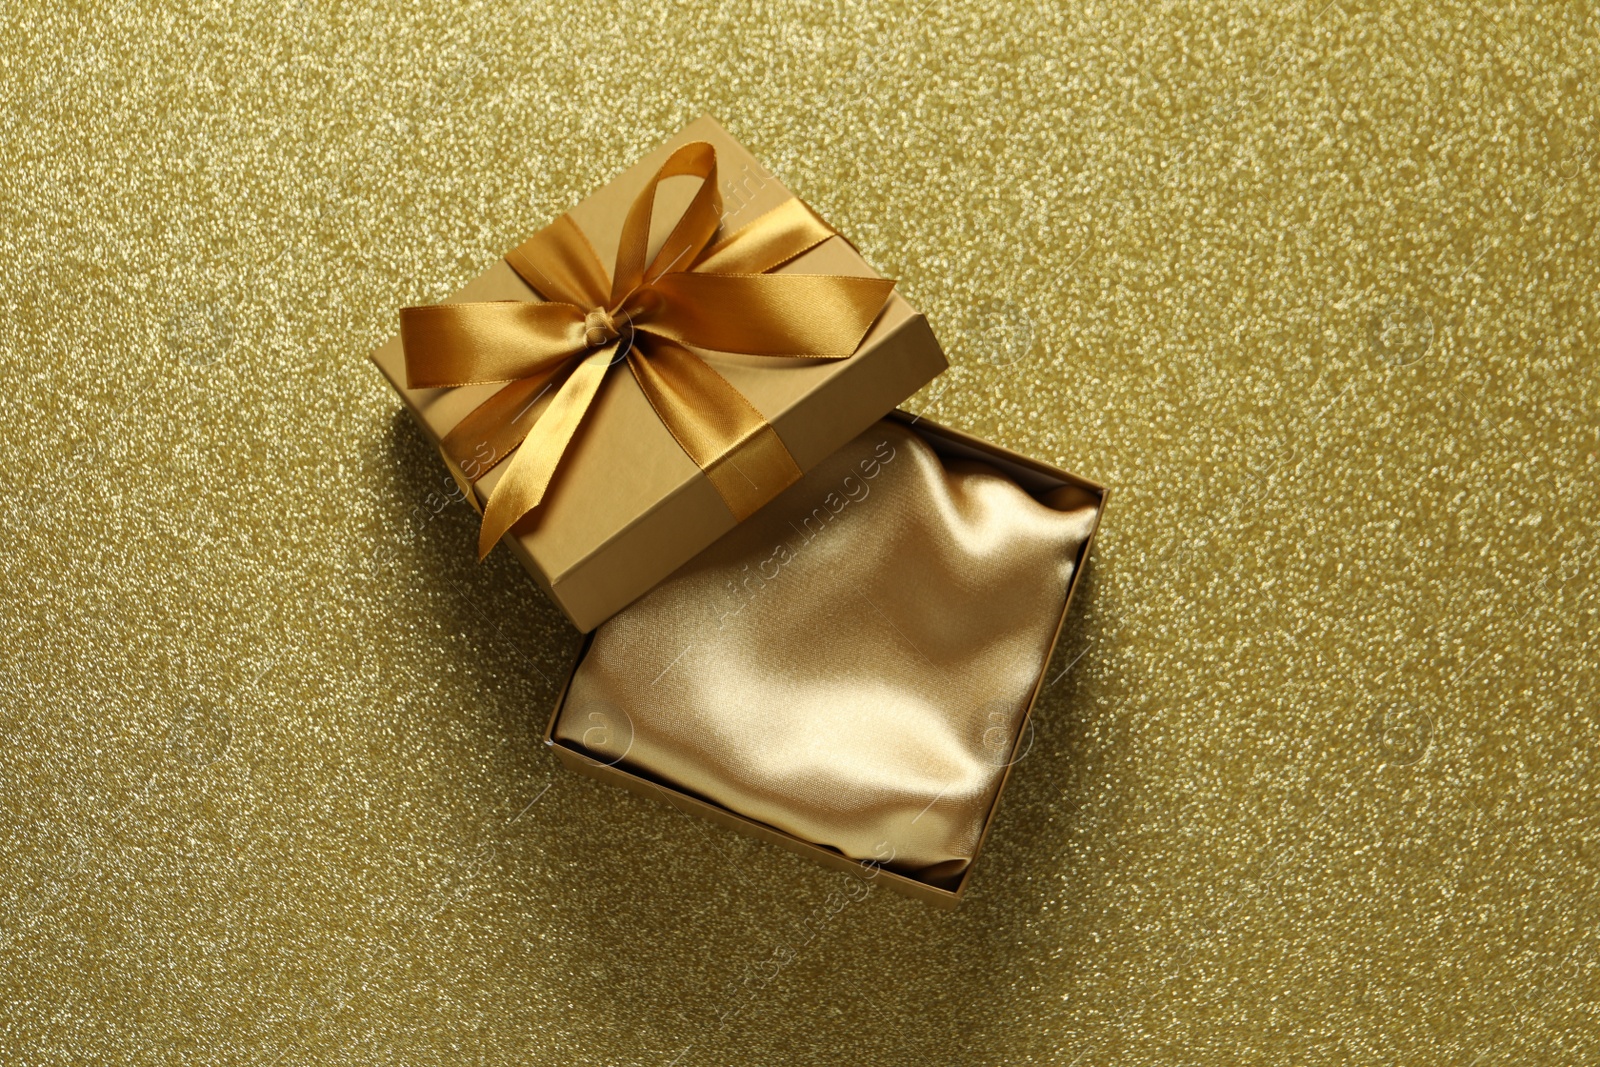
(1312, 287)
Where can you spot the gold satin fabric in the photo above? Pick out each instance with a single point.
(851, 664)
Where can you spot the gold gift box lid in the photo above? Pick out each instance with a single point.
(628, 506)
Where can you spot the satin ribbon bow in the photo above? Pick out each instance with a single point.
(713, 296)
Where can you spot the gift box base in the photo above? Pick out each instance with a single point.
(1037, 479)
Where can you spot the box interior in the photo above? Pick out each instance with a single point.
(1051, 486)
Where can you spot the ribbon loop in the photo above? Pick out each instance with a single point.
(497, 341)
(556, 355)
(820, 316)
(692, 233)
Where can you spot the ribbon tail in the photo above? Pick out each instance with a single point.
(522, 487)
(493, 429)
(740, 452)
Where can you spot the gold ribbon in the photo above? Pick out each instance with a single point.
(554, 355)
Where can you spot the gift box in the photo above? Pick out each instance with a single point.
(666, 372)
(566, 389)
(855, 768)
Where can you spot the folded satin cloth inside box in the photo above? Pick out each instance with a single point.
(848, 671)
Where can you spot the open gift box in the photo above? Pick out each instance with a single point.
(908, 644)
(763, 757)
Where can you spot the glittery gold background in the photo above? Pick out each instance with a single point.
(1312, 287)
